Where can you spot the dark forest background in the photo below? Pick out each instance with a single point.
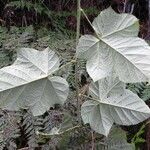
(46, 12)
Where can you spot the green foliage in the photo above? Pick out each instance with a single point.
(38, 6)
(146, 93)
(5, 56)
(141, 89)
(10, 41)
(138, 137)
(136, 88)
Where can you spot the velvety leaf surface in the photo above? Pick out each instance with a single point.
(112, 103)
(116, 47)
(28, 82)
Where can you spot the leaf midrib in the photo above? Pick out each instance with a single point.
(100, 39)
(27, 82)
(119, 106)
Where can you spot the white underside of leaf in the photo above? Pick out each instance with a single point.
(27, 83)
(38, 95)
(109, 106)
(116, 48)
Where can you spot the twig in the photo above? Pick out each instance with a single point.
(89, 97)
(59, 133)
(124, 6)
(76, 65)
(65, 65)
(89, 22)
(92, 142)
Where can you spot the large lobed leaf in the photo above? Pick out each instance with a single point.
(28, 82)
(112, 103)
(116, 47)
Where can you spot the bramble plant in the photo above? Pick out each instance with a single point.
(114, 55)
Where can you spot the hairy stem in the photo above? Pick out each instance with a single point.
(89, 22)
(78, 21)
(49, 135)
(76, 65)
(88, 97)
(92, 140)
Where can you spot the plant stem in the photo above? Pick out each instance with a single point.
(65, 65)
(148, 16)
(93, 138)
(49, 135)
(89, 22)
(78, 20)
(89, 97)
(76, 64)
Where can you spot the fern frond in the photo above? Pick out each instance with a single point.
(141, 89)
(30, 125)
(52, 119)
(136, 88)
(9, 129)
(146, 93)
(11, 145)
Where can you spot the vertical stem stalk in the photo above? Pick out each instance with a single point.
(93, 138)
(148, 17)
(76, 64)
(78, 20)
